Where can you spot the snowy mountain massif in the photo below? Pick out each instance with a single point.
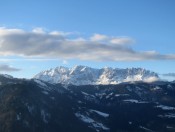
(97, 100)
(83, 75)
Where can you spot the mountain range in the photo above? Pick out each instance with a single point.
(83, 75)
(38, 105)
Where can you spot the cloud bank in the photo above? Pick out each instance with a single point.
(169, 74)
(7, 68)
(55, 44)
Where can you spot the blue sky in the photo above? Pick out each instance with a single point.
(38, 35)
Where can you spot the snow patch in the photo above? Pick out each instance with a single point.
(149, 130)
(109, 95)
(30, 108)
(169, 115)
(45, 92)
(86, 94)
(118, 95)
(169, 127)
(89, 120)
(100, 113)
(53, 98)
(80, 102)
(130, 123)
(40, 83)
(157, 88)
(164, 107)
(134, 101)
(45, 116)
(18, 117)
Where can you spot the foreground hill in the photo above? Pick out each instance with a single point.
(38, 106)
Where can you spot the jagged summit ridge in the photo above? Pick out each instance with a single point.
(83, 75)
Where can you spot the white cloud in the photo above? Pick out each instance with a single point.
(151, 79)
(62, 33)
(18, 42)
(111, 39)
(7, 68)
(38, 30)
(98, 37)
(122, 40)
(4, 31)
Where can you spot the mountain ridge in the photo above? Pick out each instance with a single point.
(84, 75)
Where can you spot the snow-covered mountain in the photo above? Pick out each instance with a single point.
(83, 75)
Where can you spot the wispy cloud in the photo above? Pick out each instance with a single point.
(42, 44)
(7, 68)
(169, 74)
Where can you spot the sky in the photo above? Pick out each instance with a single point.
(43, 34)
